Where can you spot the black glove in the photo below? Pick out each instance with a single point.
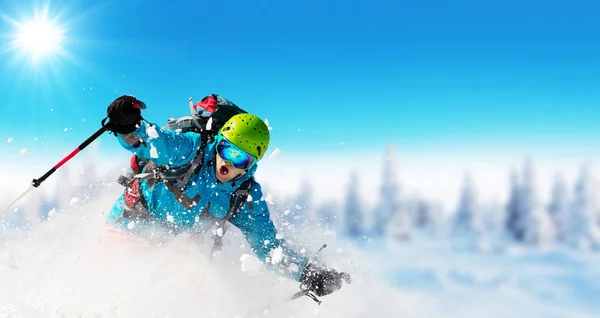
(322, 281)
(124, 114)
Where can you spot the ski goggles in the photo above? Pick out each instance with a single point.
(234, 155)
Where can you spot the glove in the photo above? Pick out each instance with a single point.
(124, 114)
(322, 281)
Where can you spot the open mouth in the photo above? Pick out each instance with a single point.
(223, 170)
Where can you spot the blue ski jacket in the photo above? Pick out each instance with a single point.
(174, 149)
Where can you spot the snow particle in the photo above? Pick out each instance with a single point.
(276, 255)
(130, 225)
(268, 126)
(274, 154)
(268, 198)
(250, 264)
(23, 151)
(170, 218)
(9, 140)
(152, 133)
(74, 200)
(330, 233)
(52, 212)
(153, 152)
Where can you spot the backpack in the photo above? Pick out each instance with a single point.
(207, 117)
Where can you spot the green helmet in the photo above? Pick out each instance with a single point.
(248, 132)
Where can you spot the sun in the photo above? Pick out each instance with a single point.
(38, 36)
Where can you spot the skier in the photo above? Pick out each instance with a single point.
(207, 183)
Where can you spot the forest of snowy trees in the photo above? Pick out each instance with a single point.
(571, 216)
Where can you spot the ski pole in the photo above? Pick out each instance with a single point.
(37, 182)
(304, 291)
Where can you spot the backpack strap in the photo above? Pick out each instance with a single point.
(238, 198)
(197, 163)
(175, 179)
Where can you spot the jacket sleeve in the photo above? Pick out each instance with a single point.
(163, 147)
(257, 227)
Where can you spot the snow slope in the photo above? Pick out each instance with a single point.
(69, 266)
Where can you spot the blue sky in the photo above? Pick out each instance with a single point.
(330, 76)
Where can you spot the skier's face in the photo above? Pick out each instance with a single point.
(225, 171)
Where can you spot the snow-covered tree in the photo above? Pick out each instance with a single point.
(400, 226)
(493, 216)
(558, 208)
(389, 197)
(425, 216)
(515, 223)
(528, 221)
(353, 209)
(467, 220)
(583, 231)
(539, 226)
